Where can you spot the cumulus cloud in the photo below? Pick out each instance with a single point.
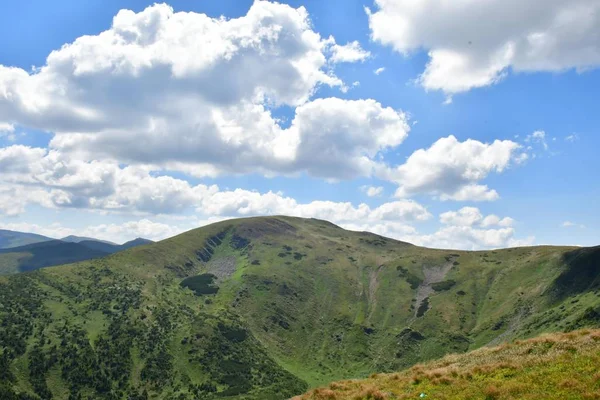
(198, 93)
(471, 216)
(350, 52)
(372, 191)
(451, 169)
(469, 238)
(475, 44)
(379, 70)
(468, 229)
(62, 182)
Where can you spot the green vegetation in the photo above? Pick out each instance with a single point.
(265, 308)
(558, 366)
(201, 284)
(444, 285)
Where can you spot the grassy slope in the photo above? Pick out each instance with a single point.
(316, 303)
(552, 366)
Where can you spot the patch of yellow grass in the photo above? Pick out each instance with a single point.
(552, 366)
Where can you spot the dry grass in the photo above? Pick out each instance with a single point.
(552, 366)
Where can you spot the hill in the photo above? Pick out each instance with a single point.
(109, 248)
(56, 252)
(552, 366)
(134, 243)
(79, 239)
(265, 308)
(15, 239)
(44, 254)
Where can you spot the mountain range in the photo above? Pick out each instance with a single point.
(269, 307)
(45, 252)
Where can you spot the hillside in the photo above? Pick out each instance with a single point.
(56, 252)
(265, 308)
(16, 239)
(552, 366)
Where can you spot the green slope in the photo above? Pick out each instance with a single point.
(281, 304)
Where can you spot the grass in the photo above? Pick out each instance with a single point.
(552, 366)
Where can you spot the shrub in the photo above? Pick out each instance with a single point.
(201, 284)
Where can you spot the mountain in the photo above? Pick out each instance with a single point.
(266, 308)
(135, 242)
(552, 366)
(39, 255)
(78, 239)
(15, 239)
(55, 252)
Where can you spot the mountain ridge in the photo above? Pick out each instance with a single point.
(9, 238)
(302, 299)
(55, 252)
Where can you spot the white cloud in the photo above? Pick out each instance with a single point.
(537, 137)
(6, 128)
(372, 191)
(451, 169)
(569, 224)
(8, 131)
(475, 44)
(572, 138)
(471, 216)
(379, 70)
(469, 238)
(62, 182)
(350, 52)
(197, 90)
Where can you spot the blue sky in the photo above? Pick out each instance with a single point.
(121, 134)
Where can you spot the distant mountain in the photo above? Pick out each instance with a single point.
(44, 254)
(135, 243)
(113, 248)
(14, 239)
(78, 239)
(56, 252)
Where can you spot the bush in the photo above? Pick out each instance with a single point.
(201, 284)
(441, 286)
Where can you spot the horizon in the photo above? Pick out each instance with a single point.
(130, 119)
(318, 219)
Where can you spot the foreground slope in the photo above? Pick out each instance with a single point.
(552, 366)
(264, 308)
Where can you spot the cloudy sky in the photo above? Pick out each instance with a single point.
(461, 124)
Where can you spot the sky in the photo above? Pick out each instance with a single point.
(464, 124)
